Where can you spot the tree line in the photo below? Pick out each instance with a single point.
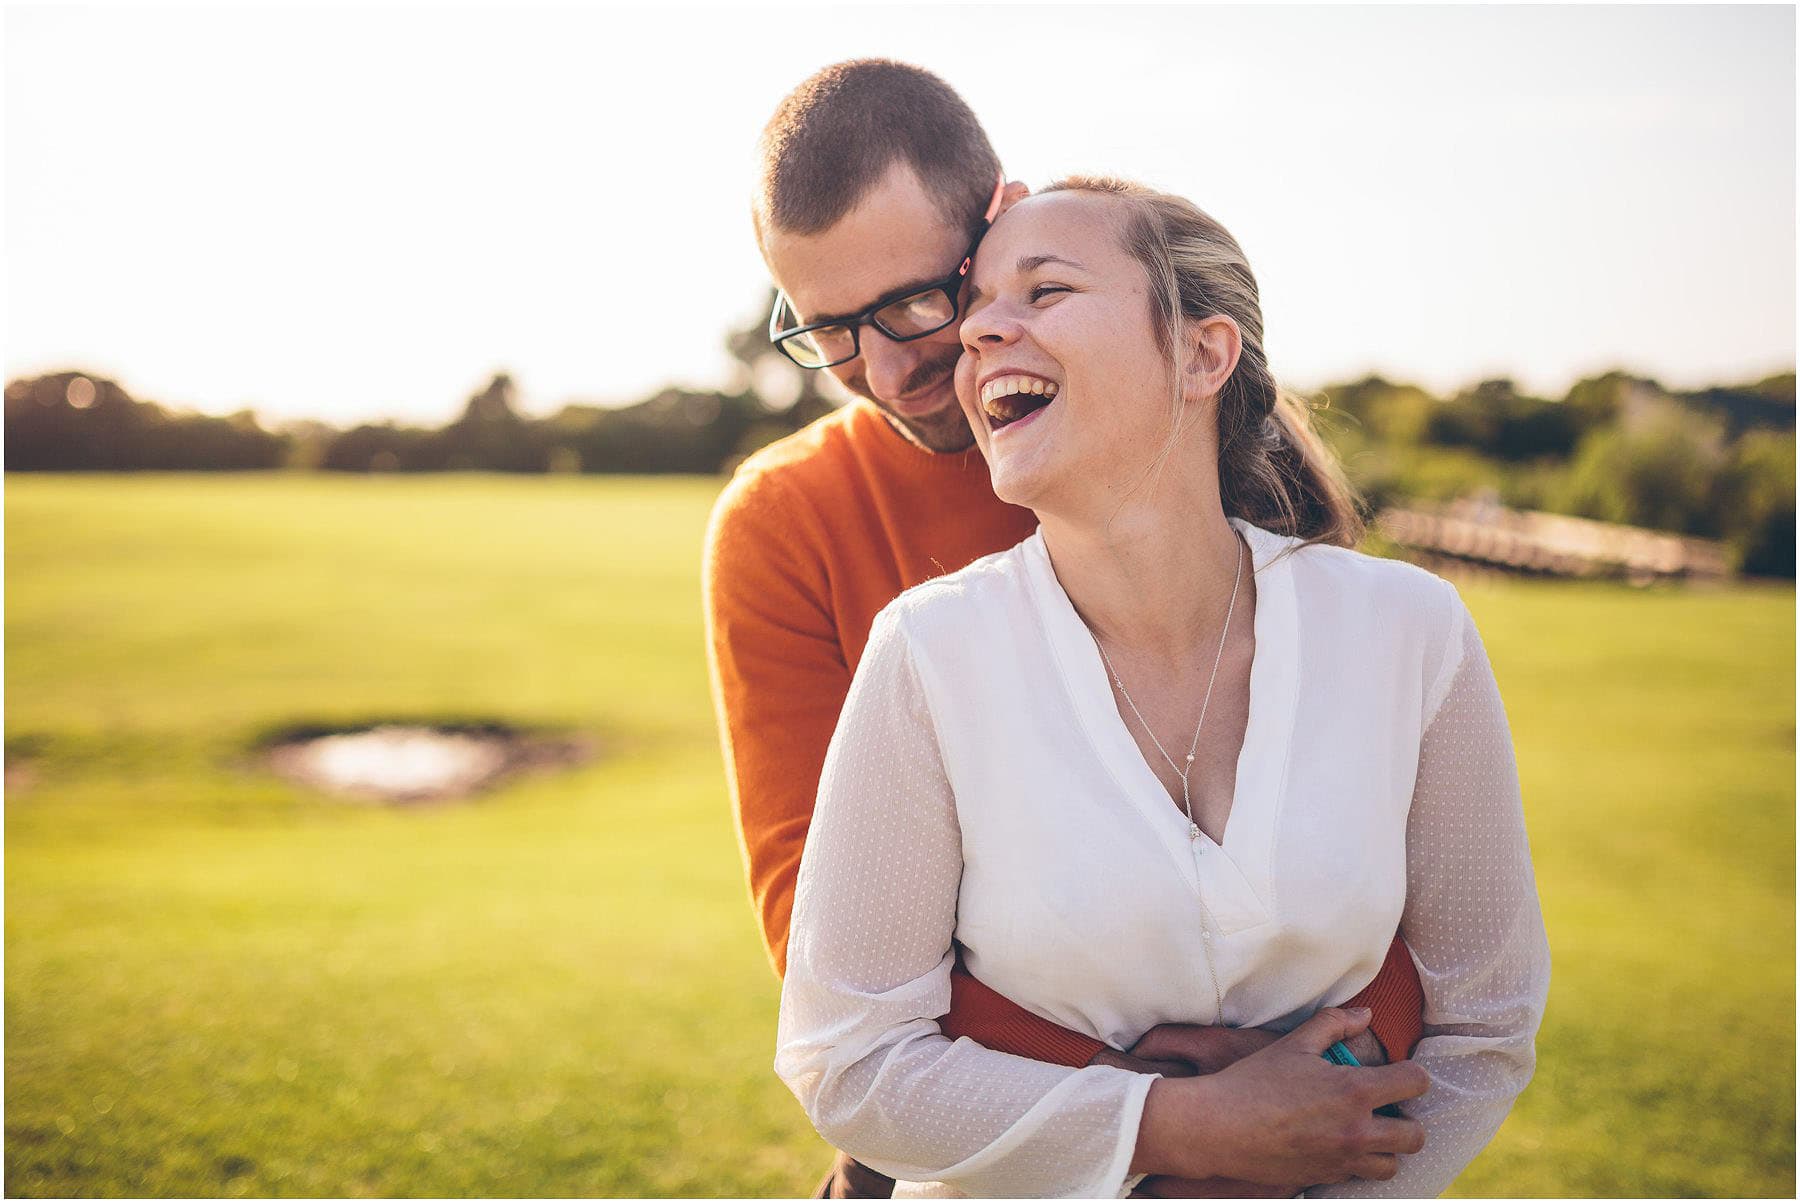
(1716, 463)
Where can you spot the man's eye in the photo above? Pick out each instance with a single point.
(1041, 291)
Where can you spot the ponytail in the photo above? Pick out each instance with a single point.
(1282, 477)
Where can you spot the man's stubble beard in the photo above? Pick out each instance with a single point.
(944, 432)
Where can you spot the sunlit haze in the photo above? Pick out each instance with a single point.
(352, 214)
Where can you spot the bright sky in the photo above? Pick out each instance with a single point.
(351, 213)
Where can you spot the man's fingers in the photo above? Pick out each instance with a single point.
(1384, 1084)
(1328, 1026)
(1141, 1065)
(1367, 1049)
(1396, 1135)
(1171, 1041)
(1160, 1186)
(1173, 1069)
(1378, 1167)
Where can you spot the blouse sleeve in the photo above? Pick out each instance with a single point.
(869, 961)
(1474, 926)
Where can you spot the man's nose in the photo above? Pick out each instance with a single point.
(888, 363)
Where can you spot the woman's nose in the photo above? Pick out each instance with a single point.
(989, 327)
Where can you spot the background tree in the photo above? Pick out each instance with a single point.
(73, 421)
(1717, 462)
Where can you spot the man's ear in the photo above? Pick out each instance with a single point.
(1014, 192)
(1211, 355)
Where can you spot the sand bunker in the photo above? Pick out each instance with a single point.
(408, 763)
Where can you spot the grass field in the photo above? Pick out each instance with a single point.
(219, 984)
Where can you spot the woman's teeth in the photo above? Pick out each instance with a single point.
(1031, 393)
(1006, 386)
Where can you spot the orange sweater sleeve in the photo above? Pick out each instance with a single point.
(990, 1018)
(1397, 1001)
(779, 680)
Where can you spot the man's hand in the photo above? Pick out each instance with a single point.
(1182, 1050)
(1366, 1049)
(1207, 1049)
(1179, 1050)
(1194, 1048)
(1167, 1186)
(1283, 1116)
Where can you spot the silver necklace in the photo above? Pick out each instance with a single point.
(1183, 770)
(1206, 923)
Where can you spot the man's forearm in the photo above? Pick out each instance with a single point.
(991, 1019)
(1397, 1002)
(994, 1021)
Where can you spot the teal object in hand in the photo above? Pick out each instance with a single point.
(1340, 1054)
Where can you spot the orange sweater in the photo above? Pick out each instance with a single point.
(813, 536)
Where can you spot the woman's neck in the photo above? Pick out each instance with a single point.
(1157, 575)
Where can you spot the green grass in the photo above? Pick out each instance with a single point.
(219, 984)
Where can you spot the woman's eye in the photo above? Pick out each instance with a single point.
(1041, 291)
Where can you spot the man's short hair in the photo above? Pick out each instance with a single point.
(834, 137)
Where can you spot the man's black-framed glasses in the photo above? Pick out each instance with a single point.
(903, 317)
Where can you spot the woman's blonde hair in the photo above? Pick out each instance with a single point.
(1274, 470)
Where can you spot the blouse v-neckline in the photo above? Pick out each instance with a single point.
(1268, 733)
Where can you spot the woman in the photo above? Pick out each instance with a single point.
(1179, 756)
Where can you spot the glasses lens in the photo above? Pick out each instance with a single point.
(822, 347)
(920, 314)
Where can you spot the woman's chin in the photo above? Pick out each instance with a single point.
(1018, 482)
(1022, 456)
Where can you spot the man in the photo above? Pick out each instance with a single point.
(876, 181)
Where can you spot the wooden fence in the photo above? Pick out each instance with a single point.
(1481, 534)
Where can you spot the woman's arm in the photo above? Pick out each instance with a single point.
(1473, 923)
(869, 961)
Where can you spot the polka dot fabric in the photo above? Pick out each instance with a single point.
(980, 792)
(1475, 929)
(869, 959)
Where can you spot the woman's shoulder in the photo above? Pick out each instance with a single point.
(1379, 577)
(1375, 593)
(1383, 615)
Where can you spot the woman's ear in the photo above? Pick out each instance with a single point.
(1213, 347)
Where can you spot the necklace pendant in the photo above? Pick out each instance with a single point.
(1193, 831)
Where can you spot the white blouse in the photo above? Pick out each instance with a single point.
(982, 790)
